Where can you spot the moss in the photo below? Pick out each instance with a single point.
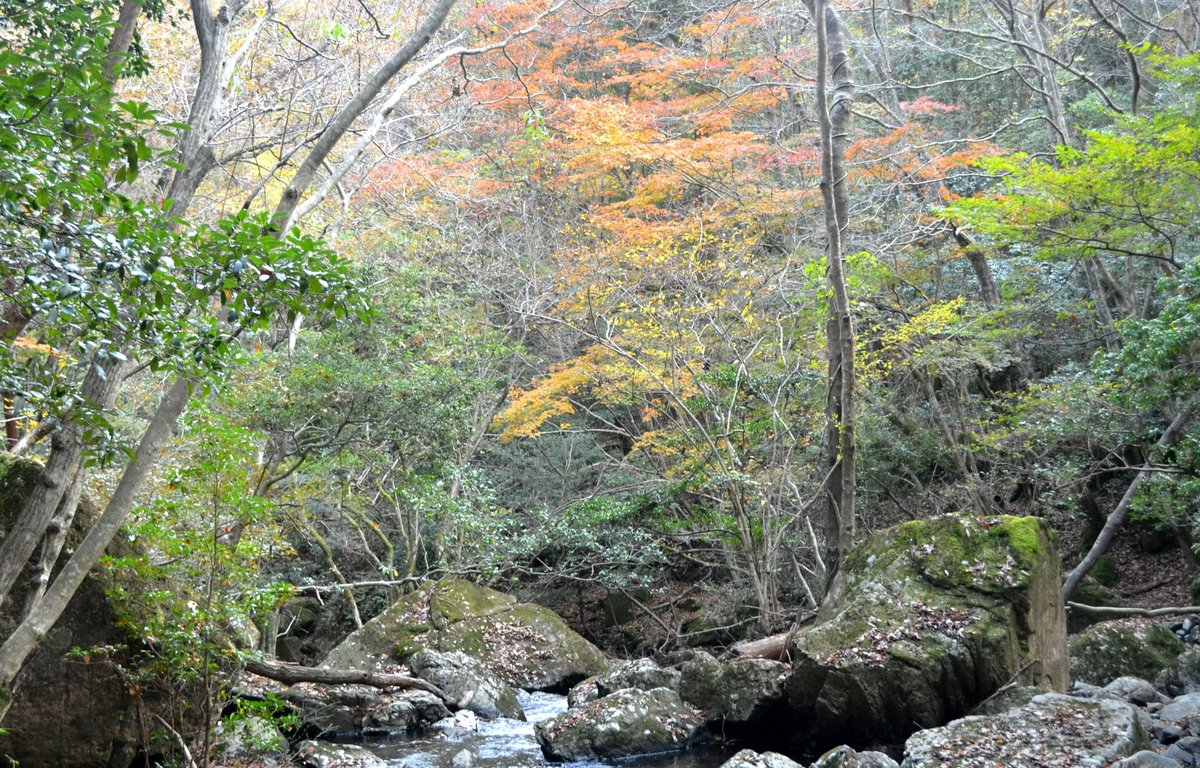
(1138, 648)
(456, 599)
(1105, 571)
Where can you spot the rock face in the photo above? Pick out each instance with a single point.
(845, 757)
(925, 620)
(625, 723)
(1126, 647)
(737, 692)
(87, 700)
(352, 711)
(526, 644)
(465, 679)
(1052, 731)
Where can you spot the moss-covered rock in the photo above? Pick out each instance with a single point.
(1123, 648)
(86, 698)
(739, 691)
(924, 621)
(1052, 731)
(527, 645)
(626, 723)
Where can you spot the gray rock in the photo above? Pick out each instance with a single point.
(642, 674)
(739, 691)
(583, 692)
(324, 754)
(1140, 648)
(1181, 708)
(1181, 677)
(924, 621)
(403, 712)
(1135, 691)
(527, 645)
(1186, 751)
(1146, 759)
(625, 723)
(748, 758)
(1009, 698)
(1052, 731)
(845, 757)
(464, 758)
(465, 679)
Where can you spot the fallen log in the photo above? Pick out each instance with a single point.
(294, 673)
(1114, 612)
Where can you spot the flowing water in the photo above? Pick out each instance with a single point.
(507, 743)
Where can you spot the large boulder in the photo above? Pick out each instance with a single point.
(748, 758)
(626, 723)
(739, 691)
(1124, 647)
(354, 711)
(1052, 731)
(643, 674)
(926, 620)
(846, 757)
(76, 682)
(465, 679)
(527, 645)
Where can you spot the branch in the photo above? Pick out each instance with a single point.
(1113, 612)
(294, 673)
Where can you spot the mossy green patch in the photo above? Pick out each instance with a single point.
(1135, 647)
(457, 599)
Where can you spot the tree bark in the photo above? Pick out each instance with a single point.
(293, 673)
(833, 66)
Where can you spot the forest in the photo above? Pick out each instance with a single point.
(645, 310)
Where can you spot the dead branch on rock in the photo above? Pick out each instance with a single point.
(1114, 612)
(291, 674)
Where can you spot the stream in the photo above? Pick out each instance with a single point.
(505, 743)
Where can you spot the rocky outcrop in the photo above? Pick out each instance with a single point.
(924, 621)
(62, 691)
(748, 758)
(467, 681)
(352, 711)
(1052, 731)
(736, 692)
(1125, 647)
(527, 645)
(625, 723)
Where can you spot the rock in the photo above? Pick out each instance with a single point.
(464, 758)
(1123, 647)
(1134, 690)
(748, 758)
(583, 692)
(1181, 677)
(324, 754)
(1009, 698)
(527, 645)
(1052, 731)
(251, 739)
(642, 674)
(1186, 751)
(737, 692)
(625, 723)
(1146, 759)
(352, 711)
(85, 697)
(924, 621)
(465, 679)
(461, 722)
(845, 757)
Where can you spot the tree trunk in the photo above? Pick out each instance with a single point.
(24, 639)
(834, 116)
(293, 673)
